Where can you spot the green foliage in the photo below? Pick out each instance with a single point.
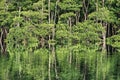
(88, 31)
(114, 41)
(67, 15)
(59, 39)
(103, 14)
(70, 5)
(5, 18)
(62, 31)
(21, 40)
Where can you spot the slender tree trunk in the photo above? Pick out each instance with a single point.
(85, 9)
(42, 42)
(97, 54)
(96, 67)
(104, 44)
(77, 16)
(104, 32)
(103, 3)
(53, 46)
(2, 40)
(5, 35)
(55, 62)
(1, 44)
(18, 24)
(49, 70)
(70, 31)
(49, 67)
(42, 9)
(104, 41)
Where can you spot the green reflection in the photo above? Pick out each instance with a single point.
(87, 63)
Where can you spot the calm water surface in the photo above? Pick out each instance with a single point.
(65, 64)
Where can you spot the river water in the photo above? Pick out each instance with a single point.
(62, 63)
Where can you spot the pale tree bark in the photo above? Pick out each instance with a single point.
(104, 43)
(42, 39)
(96, 4)
(104, 32)
(104, 24)
(2, 40)
(103, 3)
(77, 16)
(53, 46)
(49, 66)
(55, 62)
(70, 31)
(3, 33)
(104, 48)
(85, 8)
(85, 11)
(19, 12)
(6, 32)
(104, 37)
(1, 44)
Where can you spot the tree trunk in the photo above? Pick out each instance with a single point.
(2, 40)
(104, 37)
(49, 67)
(85, 8)
(42, 42)
(55, 62)
(77, 17)
(70, 31)
(103, 2)
(18, 24)
(1, 44)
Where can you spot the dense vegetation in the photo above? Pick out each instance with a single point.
(60, 39)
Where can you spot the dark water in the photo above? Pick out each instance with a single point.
(75, 63)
